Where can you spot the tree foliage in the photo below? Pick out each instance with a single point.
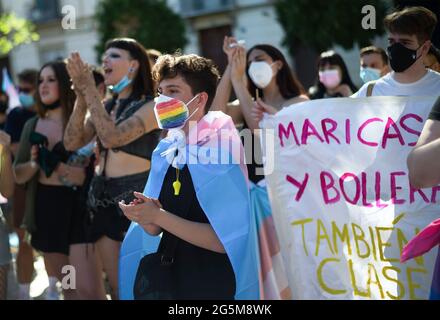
(15, 31)
(320, 24)
(151, 22)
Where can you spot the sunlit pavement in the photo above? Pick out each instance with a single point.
(40, 281)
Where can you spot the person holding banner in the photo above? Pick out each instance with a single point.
(424, 172)
(263, 75)
(409, 36)
(6, 189)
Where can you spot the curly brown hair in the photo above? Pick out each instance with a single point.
(199, 73)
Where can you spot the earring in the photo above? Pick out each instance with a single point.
(131, 69)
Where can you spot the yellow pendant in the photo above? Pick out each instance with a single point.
(177, 184)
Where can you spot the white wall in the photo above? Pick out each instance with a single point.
(259, 26)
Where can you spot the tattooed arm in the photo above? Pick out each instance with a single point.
(112, 135)
(79, 130)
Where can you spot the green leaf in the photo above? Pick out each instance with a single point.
(151, 22)
(321, 24)
(15, 31)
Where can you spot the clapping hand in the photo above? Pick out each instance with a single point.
(80, 73)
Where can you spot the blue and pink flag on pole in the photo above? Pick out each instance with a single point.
(9, 88)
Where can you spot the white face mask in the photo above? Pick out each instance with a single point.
(171, 113)
(261, 73)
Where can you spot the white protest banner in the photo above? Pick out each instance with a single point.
(341, 199)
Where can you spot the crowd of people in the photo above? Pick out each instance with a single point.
(76, 156)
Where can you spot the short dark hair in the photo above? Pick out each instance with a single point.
(98, 76)
(29, 76)
(200, 73)
(412, 20)
(66, 93)
(143, 83)
(373, 49)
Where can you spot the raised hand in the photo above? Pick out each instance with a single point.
(80, 73)
(238, 64)
(229, 47)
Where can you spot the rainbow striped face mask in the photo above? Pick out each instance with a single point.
(171, 113)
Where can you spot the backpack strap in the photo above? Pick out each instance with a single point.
(370, 88)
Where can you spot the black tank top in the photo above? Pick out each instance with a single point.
(142, 147)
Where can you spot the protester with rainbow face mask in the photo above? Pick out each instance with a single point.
(126, 132)
(263, 82)
(333, 79)
(214, 253)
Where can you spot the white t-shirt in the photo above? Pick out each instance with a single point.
(429, 85)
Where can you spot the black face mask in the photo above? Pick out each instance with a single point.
(401, 58)
(52, 106)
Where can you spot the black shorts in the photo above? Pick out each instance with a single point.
(59, 213)
(104, 196)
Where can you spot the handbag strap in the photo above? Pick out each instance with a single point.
(167, 247)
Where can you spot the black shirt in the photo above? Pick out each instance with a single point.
(15, 122)
(435, 112)
(198, 273)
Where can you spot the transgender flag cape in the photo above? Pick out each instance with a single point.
(215, 159)
(275, 285)
(427, 239)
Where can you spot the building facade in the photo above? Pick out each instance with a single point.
(55, 41)
(207, 22)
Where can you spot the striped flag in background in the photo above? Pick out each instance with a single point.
(274, 283)
(9, 88)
